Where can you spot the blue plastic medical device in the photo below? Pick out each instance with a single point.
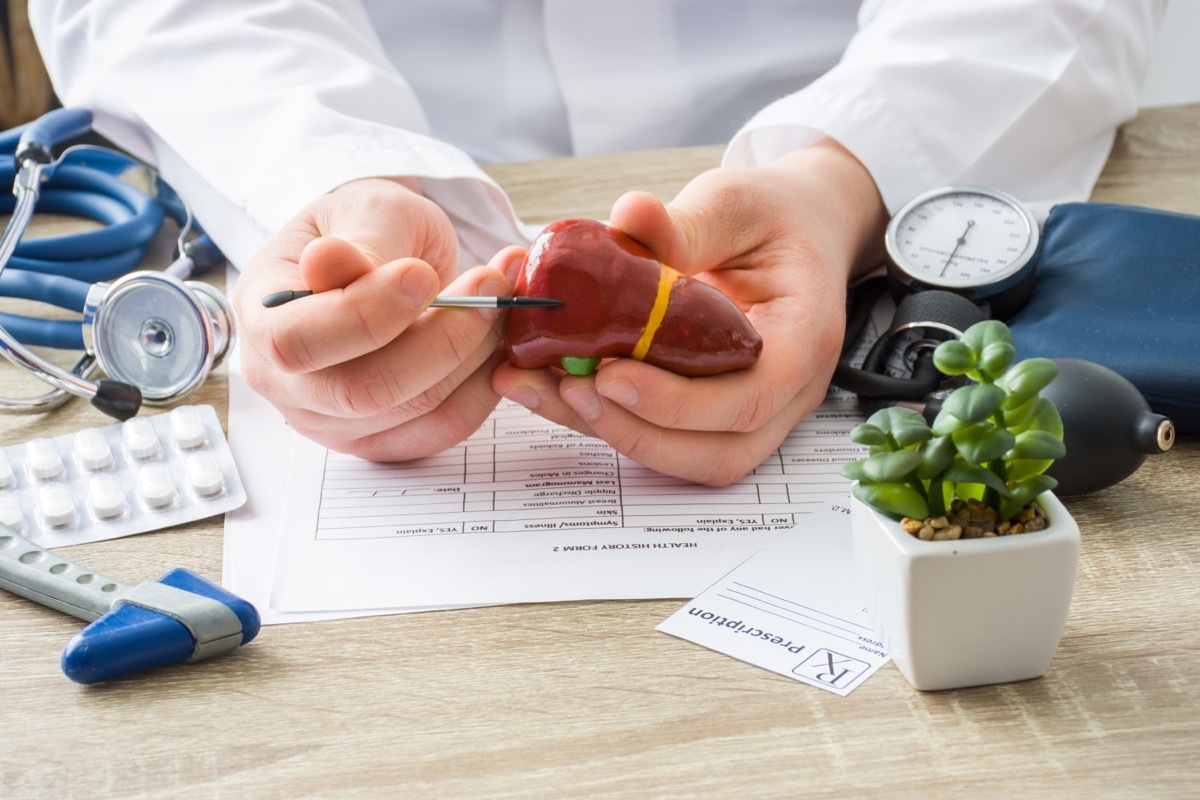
(180, 617)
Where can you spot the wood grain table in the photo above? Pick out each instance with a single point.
(585, 698)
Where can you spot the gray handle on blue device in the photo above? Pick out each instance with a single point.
(51, 580)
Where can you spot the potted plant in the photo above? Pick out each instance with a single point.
(967, 557)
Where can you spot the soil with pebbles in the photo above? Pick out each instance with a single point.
(971, 519)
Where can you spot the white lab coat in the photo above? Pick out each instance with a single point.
(251, 108)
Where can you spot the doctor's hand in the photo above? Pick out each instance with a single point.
(361, 366)
(782, 241)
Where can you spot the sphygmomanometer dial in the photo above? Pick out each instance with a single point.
(968, 240)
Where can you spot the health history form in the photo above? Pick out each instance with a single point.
(522, 473)
(528, 511)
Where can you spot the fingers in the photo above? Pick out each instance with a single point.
(329, 263)
(421, 367)
(655, 396)
(341, 323)
(403, 433)
(715, 458)
(509, 261)
(425, 390)
(538, 390)
(386, 220)
(644, 217)
(742, 401)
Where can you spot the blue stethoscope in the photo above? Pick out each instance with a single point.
(154, 335)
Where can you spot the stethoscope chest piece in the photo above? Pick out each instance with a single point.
(156, 332)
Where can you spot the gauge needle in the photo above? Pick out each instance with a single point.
(957, 244)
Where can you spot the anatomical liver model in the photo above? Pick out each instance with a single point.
(619, 301)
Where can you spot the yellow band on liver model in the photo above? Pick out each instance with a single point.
(666, 278)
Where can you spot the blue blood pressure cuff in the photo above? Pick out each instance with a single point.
(1120, 285)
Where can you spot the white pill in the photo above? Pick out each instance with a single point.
(140, 438)
(92, 450)
(155, 486)
(204, 474)
(56, 506)
(7, 478)
(187, 429)
(10, 513)
(106, 498)
(43, 459)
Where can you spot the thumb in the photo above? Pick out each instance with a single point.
(702, 228)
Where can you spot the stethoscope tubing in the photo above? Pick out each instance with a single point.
(60, 334)
(53, 290)
(65, 293)
(130, 220)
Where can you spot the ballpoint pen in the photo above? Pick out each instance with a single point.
(279, 298)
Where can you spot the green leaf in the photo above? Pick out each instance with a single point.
(1036, 444)
(996, 357)
(904, 425)
(1034, 451)
(1014, 417)
(854, 470)
(974, 403)
(1026, 379)
(892, 467)
(954, 358)
(946, 423)
(983, 442)
(962, 472)
(1039, 414)
(866, 433)
(936, 455)
(1024, 492)
(1024, 468)
(984, 333)
(901, 501)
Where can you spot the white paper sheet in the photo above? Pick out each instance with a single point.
(794, 608)
(527, 511)
(304, 575)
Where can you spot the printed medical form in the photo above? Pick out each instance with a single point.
(527, 511)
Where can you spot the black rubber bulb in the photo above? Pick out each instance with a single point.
(1108, 427)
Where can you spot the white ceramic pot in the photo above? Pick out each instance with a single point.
(969, 612)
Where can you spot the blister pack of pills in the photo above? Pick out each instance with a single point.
(143, 474)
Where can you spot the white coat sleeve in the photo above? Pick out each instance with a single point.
(1019, 95)
(252, 108)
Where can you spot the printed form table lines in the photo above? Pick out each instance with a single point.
(519, 472)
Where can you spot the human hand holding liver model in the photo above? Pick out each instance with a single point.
(620, 301)
(780, 242)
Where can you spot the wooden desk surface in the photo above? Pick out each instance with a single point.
(585, 698)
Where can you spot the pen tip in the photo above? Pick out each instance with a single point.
(279, 298)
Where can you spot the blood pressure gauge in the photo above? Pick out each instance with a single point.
(956, 255)
(975, 242)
